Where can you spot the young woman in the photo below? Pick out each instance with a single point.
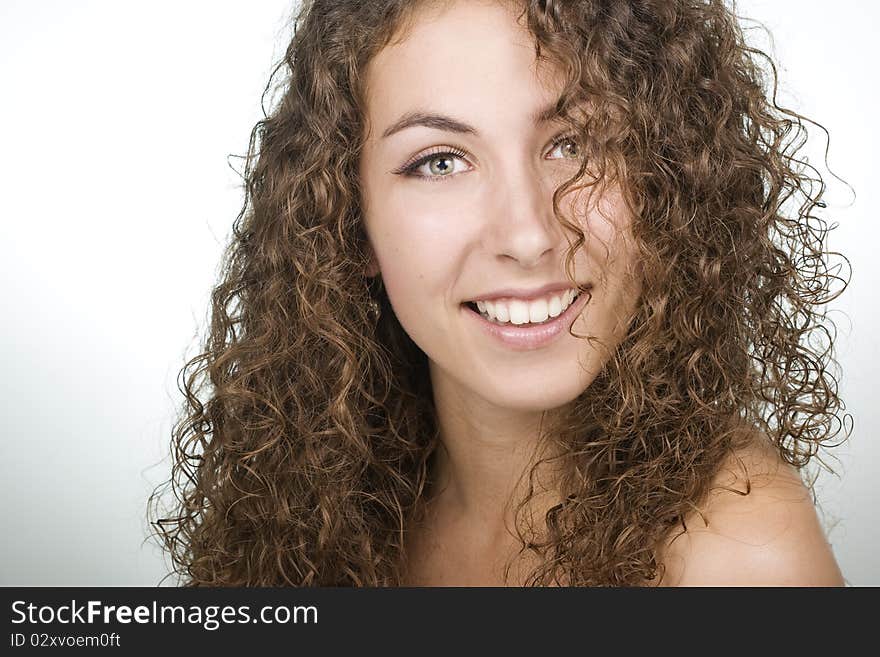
(524, 293)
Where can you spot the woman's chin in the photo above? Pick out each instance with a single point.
(526, 397)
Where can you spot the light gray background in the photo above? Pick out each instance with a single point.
(115, 123)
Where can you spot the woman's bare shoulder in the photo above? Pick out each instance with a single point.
(759, 527)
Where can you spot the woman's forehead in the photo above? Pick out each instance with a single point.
(471, 59)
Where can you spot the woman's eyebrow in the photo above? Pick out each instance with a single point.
(449, 124)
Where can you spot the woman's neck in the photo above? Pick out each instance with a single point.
(482, 466)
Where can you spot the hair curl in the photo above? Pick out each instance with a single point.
(303, 452)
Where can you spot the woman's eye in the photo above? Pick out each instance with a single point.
(436, 166)
(568, 148)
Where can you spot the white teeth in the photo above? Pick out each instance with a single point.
(520, 312)
(538, 311)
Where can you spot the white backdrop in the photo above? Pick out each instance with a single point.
(116, 121)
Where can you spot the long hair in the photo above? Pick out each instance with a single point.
(304, 447)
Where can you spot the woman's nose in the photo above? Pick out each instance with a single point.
(521, 225)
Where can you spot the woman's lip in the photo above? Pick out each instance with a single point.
(525, 337)
(526, 295)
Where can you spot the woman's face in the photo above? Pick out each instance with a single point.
(476, 223)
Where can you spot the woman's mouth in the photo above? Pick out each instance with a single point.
(525, 325)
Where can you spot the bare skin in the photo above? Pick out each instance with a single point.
(770, 536)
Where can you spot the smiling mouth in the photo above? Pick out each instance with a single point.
(518, 314)
(523, 335)
(473, 306)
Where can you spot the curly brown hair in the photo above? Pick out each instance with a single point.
(304, 451)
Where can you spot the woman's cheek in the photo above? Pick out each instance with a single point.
(430, 234)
